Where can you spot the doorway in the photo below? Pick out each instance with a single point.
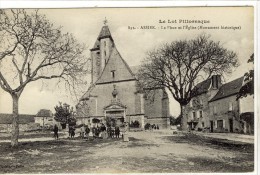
(211, 126)
(231, 125)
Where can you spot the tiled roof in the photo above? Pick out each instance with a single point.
(44, 113)
(87, 94)
(23, 118)
(104, 33)
(135, 69)
(202, 87)
(228, 89)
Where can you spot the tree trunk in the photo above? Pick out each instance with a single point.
(183, 119)
(15, 123)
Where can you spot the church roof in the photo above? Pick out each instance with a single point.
(135, 69)
(87, 94)
(117, 64)
(104, 33)
(228, 89)
(44, 113)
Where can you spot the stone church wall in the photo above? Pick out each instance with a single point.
(154, 108)
(126, 96)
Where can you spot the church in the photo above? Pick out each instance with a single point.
(115, 94)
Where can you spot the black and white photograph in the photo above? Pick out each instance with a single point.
(127, 90)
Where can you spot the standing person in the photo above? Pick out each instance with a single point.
(94, 131)
(117, 132)
(109, 130)
(56, 130)
(87, 131)
(82, 131)
(112, 132)
(103, 130)
(125, 134)
(72, 131)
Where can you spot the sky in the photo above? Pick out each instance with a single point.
(133, 44)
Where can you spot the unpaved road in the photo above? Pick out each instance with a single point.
(145, 152)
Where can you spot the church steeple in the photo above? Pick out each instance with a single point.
(101, 51)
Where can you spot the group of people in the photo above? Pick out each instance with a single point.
(154, 127)
(84, 131)
(101, 131)
(97, 131)
(113, 132)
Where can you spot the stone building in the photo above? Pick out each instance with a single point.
(44, 118)
(215, 107)
(114, 94)
(225, 108)
(197, 112)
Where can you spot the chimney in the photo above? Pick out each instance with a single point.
(216, 81)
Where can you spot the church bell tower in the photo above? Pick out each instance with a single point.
(100, 52)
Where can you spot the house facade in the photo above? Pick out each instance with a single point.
(44, 118)
(216, 108)
(115, 95)
(197, 112)
(224, 108)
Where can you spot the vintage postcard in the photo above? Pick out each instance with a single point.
(127, 90)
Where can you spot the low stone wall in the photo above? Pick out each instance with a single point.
(6, 128)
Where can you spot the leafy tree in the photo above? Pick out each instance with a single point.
(248, 87)
(32, 49)
(64, 114)
(180, 65)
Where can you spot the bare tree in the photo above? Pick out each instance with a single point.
(180, 65)
(32, 49)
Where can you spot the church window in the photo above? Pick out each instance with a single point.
(105, 53)
(105, 43)
(113, 73)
